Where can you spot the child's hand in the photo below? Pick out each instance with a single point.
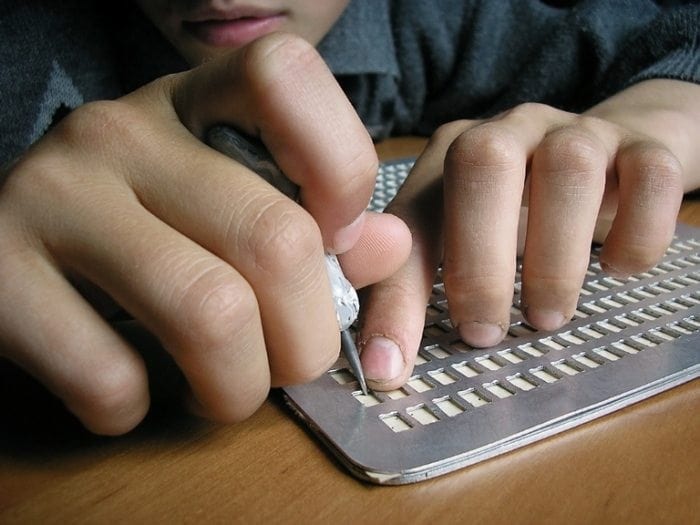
(630, 158)
(225, 270)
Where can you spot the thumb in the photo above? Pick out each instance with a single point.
(383, 247)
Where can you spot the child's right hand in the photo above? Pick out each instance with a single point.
(226, 271)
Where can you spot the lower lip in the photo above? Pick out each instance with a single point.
(233, 33)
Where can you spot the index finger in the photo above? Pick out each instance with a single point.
(485, 170)
(280, 89)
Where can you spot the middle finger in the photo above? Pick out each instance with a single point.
(567, 185)
(484, 177)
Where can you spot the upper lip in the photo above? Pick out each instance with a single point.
(209, 14)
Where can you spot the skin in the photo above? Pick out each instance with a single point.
(229, 273)
(175, 18)
(615, 174)
(226, 271)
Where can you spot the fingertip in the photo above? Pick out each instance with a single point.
(621, 258)
(481, 334)
(383, 247)
(112, 413)
(117, 425)
(543, 319)
(226, 412)
(612, 271)
(383, 362)
(394, 228)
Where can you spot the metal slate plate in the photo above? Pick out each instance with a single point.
(629, 340)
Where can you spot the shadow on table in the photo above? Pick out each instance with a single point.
(36, 425)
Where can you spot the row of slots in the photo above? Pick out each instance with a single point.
(438, 325)
(565, 339)
(453, 405)
(449, 406)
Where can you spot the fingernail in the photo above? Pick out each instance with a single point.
(481, 335)
(346, 237)
(612, 271)
(545, 319)
(381, 359)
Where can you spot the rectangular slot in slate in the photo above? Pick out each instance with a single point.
(448, 406)
(473, 397)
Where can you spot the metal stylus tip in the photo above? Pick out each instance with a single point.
(349, 349)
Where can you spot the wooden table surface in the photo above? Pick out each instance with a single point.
(638, 465)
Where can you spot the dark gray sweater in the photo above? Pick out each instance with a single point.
(407, 65)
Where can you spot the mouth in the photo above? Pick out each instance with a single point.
(233, 28)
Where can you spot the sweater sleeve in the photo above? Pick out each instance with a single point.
(668, 48)
(475, 59)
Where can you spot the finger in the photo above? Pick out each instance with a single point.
(566, 188)
(201, 309)
(273, 244)
(280, 89)
(650, 194)
(51, 332)
(485, 170)
(382, 248)
(393, 310)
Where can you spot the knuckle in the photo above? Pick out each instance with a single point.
(283, 238)
(94, 127)
(219, 326)
(446, 133)
(634, 257)
(483, 153)
(572, 162)
(656, 168)
(212, 314)
(570, 151)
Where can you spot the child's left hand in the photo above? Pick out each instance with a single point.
(618, 172)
